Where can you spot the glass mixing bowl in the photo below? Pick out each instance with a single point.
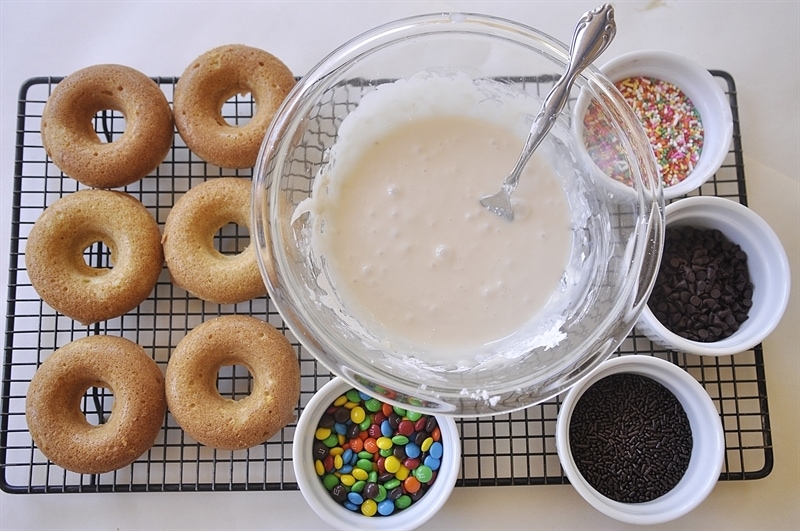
(616, 239)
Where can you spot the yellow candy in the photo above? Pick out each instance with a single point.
(357, 414)
(347, 480)
(392, 464)
(322, 433)
(337, 462)
(340, 401)
(402, 473)
(360, 474)
(350, 405)
(336, 450)
(384, 443)
(426, 444)
(319, 468)
(369, 508)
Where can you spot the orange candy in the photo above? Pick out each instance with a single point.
(356, 445)
(411, 484)
(371, 445)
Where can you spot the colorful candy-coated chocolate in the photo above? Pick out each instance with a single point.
(375, 458)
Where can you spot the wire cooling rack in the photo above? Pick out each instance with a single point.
(508, 449)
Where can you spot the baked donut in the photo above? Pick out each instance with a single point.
(59, 273)
(191, 382)
(53, 404)
(193, 262)
(209, 82)
(69, 138)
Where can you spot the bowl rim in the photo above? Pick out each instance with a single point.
(703, 473)
(336, 515)
(706, 95)
(721, 212)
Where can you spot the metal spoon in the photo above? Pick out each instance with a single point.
(593, 33)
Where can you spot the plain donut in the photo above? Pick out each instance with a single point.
(69, 137)
(191, 382)
(193, 262)
(59, 273)
(53, 404)
(209, 82)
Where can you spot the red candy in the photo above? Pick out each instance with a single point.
(411, 463)
(406, 427)
(374, 431)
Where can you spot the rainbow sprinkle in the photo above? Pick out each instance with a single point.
(670, 120)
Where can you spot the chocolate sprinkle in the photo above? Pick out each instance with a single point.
(630, 438)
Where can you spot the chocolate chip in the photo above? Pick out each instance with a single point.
(703, 283)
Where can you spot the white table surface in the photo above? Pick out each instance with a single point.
(757, 42)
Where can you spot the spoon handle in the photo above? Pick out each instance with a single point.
(593, 33)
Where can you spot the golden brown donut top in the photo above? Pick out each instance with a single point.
(193, 261)
(53, 404)
(221, 422)
(59, 273)
(69, 137)
(208, 82)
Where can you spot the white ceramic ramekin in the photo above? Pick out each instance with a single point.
(767, 263)
(341, 518)
(708, 447)
(706, 95)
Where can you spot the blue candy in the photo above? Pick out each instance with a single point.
(436, 450)
(347, 456)
(413, 450)
(340, 428)
(351, 506)
(346, 468)
(386, 507)
(386, 429)
(355, 498)
(432, 463)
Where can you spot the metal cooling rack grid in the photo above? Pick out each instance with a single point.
(509, 449)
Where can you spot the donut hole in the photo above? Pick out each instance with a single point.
(109, 125)
(234, 381)
(97, 255)
(98, 403)
(231, 239)
(238, 110)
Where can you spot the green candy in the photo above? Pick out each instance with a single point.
(385, 453)
(331, 441)
(330, 481)
(353, 396)
(403, 502)
(392, 484)
(373, 477)
(358, 486)
(400, 440)
(400, 411)
(365, 424)
(382, 493)
(363, 454)
(373, 405)
(423, 473)
(366, 465)
(413, 416)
